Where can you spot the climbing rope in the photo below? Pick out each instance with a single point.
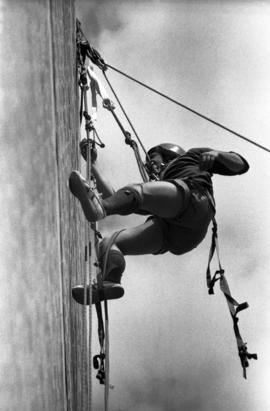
(189, 109)
(127, 135)
(100, 361)
(88, 277)
(124, 112)
(129, 141)
(87, 281)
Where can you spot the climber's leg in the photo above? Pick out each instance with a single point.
(162, 198)
(147, 238)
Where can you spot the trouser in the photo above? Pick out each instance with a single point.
(179, 221)
(162, 199)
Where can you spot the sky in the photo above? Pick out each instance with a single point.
(171, 344)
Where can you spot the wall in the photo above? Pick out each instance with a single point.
(42, 229)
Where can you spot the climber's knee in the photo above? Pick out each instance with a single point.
(125, 201)
(135, 191)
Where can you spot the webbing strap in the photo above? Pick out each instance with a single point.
(214, 247)
(99, 360)
(233, 305)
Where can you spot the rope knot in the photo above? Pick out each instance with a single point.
(128, 139)
(108, 104)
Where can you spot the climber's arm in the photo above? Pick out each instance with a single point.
(103, 184)
(222, 162)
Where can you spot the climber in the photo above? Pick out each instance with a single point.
(180, 204)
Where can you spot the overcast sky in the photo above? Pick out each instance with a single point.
(172, 346)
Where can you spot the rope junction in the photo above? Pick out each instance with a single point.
(101, 360)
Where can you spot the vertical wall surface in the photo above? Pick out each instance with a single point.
(42, 230)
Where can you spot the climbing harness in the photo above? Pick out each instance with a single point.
(233, 305)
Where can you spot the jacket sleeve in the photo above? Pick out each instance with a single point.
(222, 167)
(223, 164)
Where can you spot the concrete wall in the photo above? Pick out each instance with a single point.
(42, 230)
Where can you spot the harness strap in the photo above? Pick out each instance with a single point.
(233, 305)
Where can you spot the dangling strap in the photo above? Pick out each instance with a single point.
(99, 360)
(214, 247)
(233, 305)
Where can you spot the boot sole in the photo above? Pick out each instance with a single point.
(107, 292)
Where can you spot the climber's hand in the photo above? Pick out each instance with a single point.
(83, 147)
(207, 160)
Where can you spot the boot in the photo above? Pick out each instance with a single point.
(116, 265)
(111, 288)
(89, 199)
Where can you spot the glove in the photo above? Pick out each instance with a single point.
(207, 160)
(83, 147)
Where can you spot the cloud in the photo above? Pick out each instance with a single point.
(98, 16)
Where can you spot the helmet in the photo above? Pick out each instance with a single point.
(169, 150)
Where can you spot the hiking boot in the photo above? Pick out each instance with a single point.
(115, 266)
(89, 199)
(108, 291)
